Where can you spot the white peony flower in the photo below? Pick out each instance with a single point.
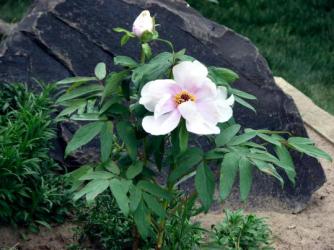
(191, 95)
(144, 22)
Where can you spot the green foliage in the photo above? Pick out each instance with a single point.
(30, 193)
(302, 31)
(238, 231)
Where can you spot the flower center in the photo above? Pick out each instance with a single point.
(184, 96)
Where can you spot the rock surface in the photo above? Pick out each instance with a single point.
(60, 38)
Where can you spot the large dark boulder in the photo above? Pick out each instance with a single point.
(61, 38)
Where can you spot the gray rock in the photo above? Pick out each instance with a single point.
(60, 38)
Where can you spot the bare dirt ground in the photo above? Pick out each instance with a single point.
(311, 229)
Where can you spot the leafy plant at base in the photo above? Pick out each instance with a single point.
(30, 193)
(131, 159)
(238, 231)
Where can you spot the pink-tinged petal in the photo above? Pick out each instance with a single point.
(152, 92)
(162, 125)
(165, 105)
(208, 110)
(221, 93)
(144, 22)
(207, 90)
(195, 123)
(225, 113)
(189, 75)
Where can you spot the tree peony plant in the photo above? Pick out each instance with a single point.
(143, 114)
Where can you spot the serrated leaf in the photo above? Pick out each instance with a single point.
(228, 172)
(227, 134)
(128, 136)
(82, 136)
(134, 170)
(205, 185)
(106, 140)
(100, 71)
(245, 177)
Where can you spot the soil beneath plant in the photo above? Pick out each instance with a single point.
(311, 229)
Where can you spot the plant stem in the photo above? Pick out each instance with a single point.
(142, 56)
(135, 244)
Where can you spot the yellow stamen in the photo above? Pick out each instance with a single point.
(184, 96)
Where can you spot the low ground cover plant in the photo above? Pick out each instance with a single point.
(145, 116)
(30, 192)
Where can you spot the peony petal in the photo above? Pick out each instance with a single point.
(189, 75)
(144, 22)
(195, 123)
(152, 92)
(162, 125)
(225, 113)
(165, 105)
(207, 90)
(208, 110)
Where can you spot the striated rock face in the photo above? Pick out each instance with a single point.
(60, 38)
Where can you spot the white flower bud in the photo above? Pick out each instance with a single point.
(144, 22)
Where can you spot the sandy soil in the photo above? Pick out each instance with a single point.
(313, 228)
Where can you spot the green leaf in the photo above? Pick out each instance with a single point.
(300, 140)
(119, 189)
(135, 198)
(125, 38)
(113, 84)
(112, 167)
(128, 136)
(142, 219)
(242, 138)
(89, 117)
(147, 50)
(125, 61)
(244, 103)
(270, 139)
(228, 172)
(71, 109)
(214, 154)
(311, 150)
(227, 134)
(183, 137)
(78, 173)
(205, 185)
(268, 168)
(89, 90)
(286, 162)
(245, 177)
(100, 71)
(76, 79)
(185, 163)
(222, 75)
(242, 94)
(106, 140)
(83, 135)
(134, 170)
(97, 175)
(154, 189)
(94, 187)
(154, 205)
(152, 70)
